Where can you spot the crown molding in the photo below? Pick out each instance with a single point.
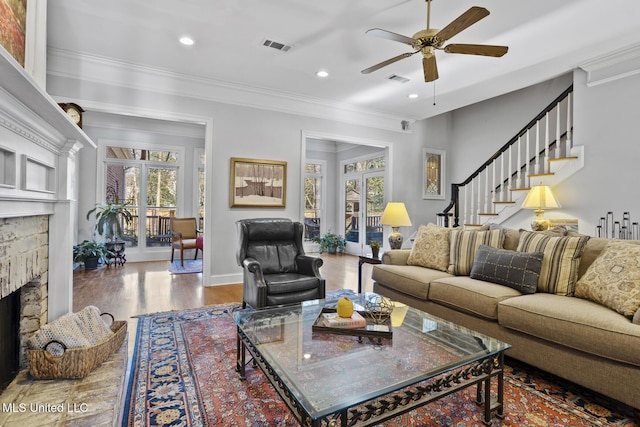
(620, 64)
(101, 70)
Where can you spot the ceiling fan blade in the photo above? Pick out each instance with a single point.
(391, 36)
(462, 22)
(477, 49)
(430, 68)
(387, 62)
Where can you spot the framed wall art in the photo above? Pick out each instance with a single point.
(257, 183)
(433, 173)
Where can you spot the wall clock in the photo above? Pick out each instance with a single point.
(74, 111)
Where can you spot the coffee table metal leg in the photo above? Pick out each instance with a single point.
(240, 356)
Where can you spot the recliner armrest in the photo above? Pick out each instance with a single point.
(309, 265)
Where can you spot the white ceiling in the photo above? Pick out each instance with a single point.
(546, 38)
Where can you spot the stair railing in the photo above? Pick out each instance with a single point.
(547, 137)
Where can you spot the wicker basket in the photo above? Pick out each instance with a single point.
(75, 362)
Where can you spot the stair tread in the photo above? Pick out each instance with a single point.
(540, 174)
(505, 203)
(520, 189)
(489, 213)
(564, 158)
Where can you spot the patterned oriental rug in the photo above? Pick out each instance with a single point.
(183, 374)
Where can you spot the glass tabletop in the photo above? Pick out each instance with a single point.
(328, 372)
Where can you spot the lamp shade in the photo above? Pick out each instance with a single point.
(395, 215)
(540, 197)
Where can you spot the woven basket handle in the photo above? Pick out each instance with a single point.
(113, 319)
(49, 354)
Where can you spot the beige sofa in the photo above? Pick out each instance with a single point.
(574, 338)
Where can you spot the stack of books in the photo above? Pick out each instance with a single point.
(332, 320)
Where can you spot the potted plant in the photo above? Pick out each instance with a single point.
(375, 247)
(90, 253)
(109, 218)
(331, 243)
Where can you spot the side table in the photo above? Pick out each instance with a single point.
(366, 259)
(117, 249)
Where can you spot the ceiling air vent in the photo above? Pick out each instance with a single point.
(276, 45)
(397, 78)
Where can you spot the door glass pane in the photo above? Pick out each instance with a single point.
(352, 210)
(375, 207)
(123, 185)
(161, 204)
(312, 212)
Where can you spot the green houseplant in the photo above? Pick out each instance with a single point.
(90, 253)
(331, 243)
(109, 218)
(375, 247)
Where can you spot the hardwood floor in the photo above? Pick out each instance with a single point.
(148, 287)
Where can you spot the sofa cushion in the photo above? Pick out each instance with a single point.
(465, 243)
(518, 270)
(431, 248)
(409, 279)
(560, 263)
(575, 323)
(470, 295)
(613, 279)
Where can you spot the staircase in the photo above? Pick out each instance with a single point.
(543, 151)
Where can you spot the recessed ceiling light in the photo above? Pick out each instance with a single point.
(322, 74)
(412, 95)
(186, 40)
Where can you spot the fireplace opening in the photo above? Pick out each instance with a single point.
(9, 338)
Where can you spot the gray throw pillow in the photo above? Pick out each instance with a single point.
(518, 270)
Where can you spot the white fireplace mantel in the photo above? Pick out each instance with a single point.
(38, 146)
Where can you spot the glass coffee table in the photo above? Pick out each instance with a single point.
(329, 380)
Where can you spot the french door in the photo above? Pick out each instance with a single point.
(363, 201)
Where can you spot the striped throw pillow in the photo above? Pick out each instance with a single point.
(465, 243)
(560, 263)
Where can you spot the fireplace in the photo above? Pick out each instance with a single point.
(24, 248)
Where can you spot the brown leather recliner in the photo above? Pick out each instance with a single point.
(275, 268)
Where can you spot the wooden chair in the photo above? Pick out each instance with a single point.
(184, 232)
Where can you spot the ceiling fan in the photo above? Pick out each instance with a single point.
(427, 41)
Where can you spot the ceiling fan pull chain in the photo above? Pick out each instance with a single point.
(434, 93)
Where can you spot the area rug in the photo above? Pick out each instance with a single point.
(183, 374)
(190, 266)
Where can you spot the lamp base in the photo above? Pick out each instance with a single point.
(395, 239)
(539, 223)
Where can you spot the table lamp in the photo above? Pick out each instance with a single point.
(395, 215)
(539, 198)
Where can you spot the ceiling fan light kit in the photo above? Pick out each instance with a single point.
(429, 40)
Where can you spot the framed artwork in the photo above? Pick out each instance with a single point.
(569, 223)
(433, 173)
(13, 14)
(257, 183)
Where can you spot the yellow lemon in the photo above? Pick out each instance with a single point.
(344, 307)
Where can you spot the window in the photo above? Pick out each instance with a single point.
(147, 179)
(313, 198)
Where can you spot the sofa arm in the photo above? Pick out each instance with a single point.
(396, 256)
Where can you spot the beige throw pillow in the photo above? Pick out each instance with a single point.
(431, 248)
(465, 243)
(562, 255)
(613, 279)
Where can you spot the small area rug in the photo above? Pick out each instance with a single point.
(190, 266)
(183, 374)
